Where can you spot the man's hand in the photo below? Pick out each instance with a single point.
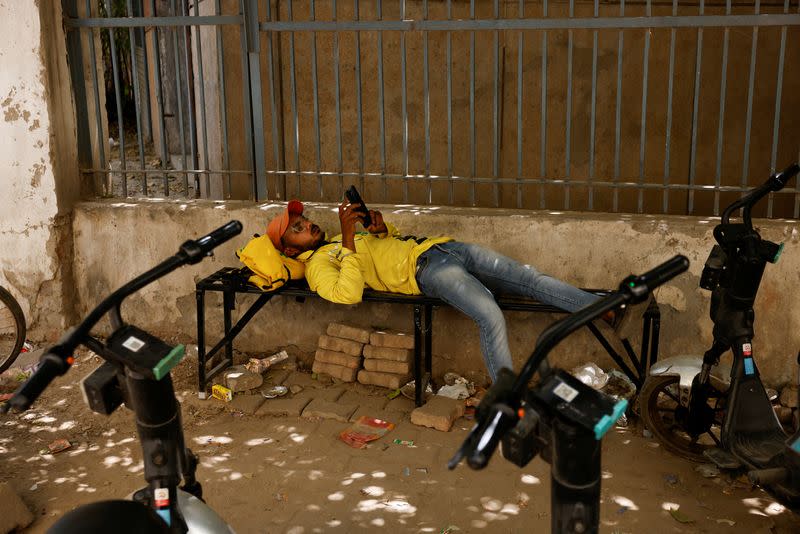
(348, 217)
(378, 226)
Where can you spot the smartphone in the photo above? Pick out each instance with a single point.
(354, 198)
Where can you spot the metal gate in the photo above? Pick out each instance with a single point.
(626, 107)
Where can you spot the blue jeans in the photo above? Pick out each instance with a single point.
(464, 275)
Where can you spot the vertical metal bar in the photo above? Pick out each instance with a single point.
(449, 55)
(223, 107)
(668, 133)
(722, 90)
(427, 102)
(381, 118)
(293, 103)
(358, 103)
(252, 53)
(594, 108)
(179, 95)
(495, 111)
(543, 108)
(693, 151)
(77, 80)
(778, 96)
(568, 142)
(247, 33)
(340, 163)
(749, 121)
(642, 134)
(618, 122)
(187, 59)
(136, 97)
(520, 46)
(101, 145)
(118, 97)
(404, 110)
(159, 99)
(315, 95)
(473, 147)
(199, 296)
(203, 121)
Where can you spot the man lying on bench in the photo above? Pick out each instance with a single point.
(461, 274)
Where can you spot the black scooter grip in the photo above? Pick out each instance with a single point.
(664, 272)
(783, 177)
(50, 366)
(194, 251)
(209, 242)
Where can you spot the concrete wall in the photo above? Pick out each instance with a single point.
(115, 241)
(39, 176)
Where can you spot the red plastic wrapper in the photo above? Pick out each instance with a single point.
(364, 430)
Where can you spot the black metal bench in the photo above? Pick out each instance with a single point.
(230, 281)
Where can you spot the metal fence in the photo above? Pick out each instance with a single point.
(648, 107)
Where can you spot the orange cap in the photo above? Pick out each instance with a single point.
(277, 226)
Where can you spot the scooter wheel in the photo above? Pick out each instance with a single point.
(664, 414)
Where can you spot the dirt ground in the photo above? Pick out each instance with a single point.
(292, 474)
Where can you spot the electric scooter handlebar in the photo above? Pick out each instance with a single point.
(58, 359)
(780, 179)
(499, 411)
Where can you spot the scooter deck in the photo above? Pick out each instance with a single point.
(759, 449)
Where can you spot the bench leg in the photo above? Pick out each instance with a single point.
(418, 385)
(428, 334)
(201, 344)
(228, 304)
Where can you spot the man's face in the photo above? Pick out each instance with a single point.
(301, 235)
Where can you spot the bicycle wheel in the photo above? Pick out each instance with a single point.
(12, 329)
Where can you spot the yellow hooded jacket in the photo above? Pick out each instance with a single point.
(383, 262)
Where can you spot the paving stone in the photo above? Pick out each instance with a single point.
(439, 413)
(337, 358)
(238, 378)
(391, 339)
(331, 394)
(338, 344)
(346, 374)
(245, 403)
(299, 378)
(349, 332)
(388, 353)
(329, 410)
(276, 377)
(387, 380)
(788, 396)
(286, 406)
(15, 514)
(376, 402)
(400, 404)
(387, 366)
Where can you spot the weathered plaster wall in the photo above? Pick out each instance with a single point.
(39, 184)
(115, 241)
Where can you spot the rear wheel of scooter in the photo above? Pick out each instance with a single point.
(664, 414)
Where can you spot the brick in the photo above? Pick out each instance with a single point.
(386, 380)
(329, 410)
(16, 514)
(387, 366)
(388, 353)
(337, 358)
(337, 371)
(439, 413)
(349, 332)
(300, 378)
(348, 346)
(285, 406)
(395, 340)
(238, 378)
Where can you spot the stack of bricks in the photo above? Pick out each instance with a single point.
(339, 352)
(387, 360)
